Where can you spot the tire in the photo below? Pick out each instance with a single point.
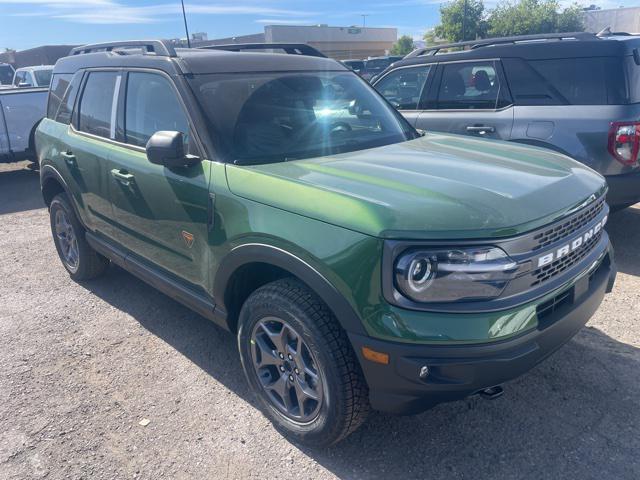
(81, 261)
(342, 403)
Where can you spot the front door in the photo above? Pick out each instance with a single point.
(160, 213)
(469, 98)
(403, 89)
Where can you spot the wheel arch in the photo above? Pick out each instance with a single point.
(250, 266)
(52, 184)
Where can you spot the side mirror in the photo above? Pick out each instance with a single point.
(24, 85)
(167, 148)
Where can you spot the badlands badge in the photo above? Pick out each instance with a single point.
(188, 238)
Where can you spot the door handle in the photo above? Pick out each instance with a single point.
(122, 176)
(480, 129)
(70, 158)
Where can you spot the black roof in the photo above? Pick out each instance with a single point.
(189, 60)
(534, 47)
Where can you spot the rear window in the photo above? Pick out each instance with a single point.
(567, 81)
(59, 85)
(43, 77)
(6, 75)
(97, 103)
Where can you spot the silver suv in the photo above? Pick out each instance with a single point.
(575, 93)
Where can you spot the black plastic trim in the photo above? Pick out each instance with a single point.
(457, 371)
(174, 289)
(268, 254)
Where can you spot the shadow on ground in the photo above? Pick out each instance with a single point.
(20, 191)
(574, 416)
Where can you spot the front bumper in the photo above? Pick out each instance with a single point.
(458, 371)
(624, 189)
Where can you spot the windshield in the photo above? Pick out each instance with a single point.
(6, 75)
(273, 117)
(378, 63)
(43, 77)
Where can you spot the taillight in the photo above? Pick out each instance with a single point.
(624, 142)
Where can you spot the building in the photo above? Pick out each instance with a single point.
(616, 19)
(45, 55)
(336, 42)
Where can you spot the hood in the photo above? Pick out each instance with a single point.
(437, 186)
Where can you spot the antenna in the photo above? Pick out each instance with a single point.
(186, 28)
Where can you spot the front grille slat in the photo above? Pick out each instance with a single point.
(565, 229)
(562, 264)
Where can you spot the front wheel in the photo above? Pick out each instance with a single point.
(300, 364)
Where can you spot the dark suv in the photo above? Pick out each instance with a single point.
(281, 197)
(574, 93)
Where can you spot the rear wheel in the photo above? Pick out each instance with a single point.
(81, 261)
(300, 364)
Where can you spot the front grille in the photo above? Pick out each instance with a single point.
(558, 266)
(558, 232)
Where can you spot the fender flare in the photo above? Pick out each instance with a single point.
(271, 255)
(48, 172)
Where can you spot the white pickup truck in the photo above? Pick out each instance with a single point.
(21, 109)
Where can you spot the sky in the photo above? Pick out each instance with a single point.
(29, 23)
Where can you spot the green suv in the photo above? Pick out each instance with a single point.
(360, 263)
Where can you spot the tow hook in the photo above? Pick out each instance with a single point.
(492, 393)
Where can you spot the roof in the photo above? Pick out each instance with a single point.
(198, 61)
(535, 49)
(36, 67)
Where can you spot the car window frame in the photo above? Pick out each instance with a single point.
(121, 118)
(431, 102)
(427, 84)
(119, 132)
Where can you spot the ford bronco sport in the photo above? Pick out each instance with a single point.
(359, 263)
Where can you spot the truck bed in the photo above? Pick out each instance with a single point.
(20, 111)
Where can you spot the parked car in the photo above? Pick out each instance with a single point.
(575, 93)
(39, 76)
(376, 65)
(20, 112)
(6, 74)
(359, 263)
(357, 66)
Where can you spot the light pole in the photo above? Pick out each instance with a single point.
(364, 19)
(464, 21)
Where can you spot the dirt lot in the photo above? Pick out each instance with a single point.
(82, 365)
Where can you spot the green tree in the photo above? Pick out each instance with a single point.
(527, 17)
(403, 46)
(453, 18)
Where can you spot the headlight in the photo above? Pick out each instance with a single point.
(450, 275)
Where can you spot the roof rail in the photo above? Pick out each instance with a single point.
(289, 48)
(473, 44)
(150, 47)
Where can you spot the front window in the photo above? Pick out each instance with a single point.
(43, 77)
(273, 117)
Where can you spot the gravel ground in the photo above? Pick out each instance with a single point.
(82, 365)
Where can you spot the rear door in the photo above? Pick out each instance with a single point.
(160, 213)
(469, 98)
(88, 143)
(403, 88)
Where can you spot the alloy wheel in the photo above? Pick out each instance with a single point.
(287, 370)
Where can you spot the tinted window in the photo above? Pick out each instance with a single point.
(66, 106)
(6, 75)
(43, 77)
(403, 87)
(21, 77)
(96, 104)
(59, 85)
(280, 116)
(581, 81)
(152, 106)
(470, 85)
